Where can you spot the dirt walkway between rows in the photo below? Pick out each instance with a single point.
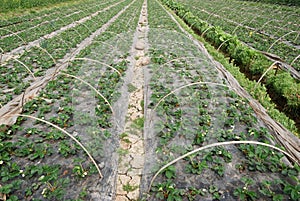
(132, 140)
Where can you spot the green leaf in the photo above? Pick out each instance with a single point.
(277, 197)
(6, 189)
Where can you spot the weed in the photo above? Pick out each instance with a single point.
(129, 188)
(122, 152)
(124, 138)
(138, 123)
(131, 88)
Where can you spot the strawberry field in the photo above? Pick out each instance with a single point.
(124, 100)
(273, 29)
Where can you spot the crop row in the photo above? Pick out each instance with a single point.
(251, 16)
(200, 114)
(22, 22)
(41, 27)
(10, 21)
(275, 33)
(163, 22)
(39, 59)
(47, 165)
(18, 4)
(250, 62)
(280, 2)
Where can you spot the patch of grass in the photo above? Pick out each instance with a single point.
(142, 104)
(124, 138)
(131, 88)
(123, 135)
(138, 123)
(122, 152)
(129, 188)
